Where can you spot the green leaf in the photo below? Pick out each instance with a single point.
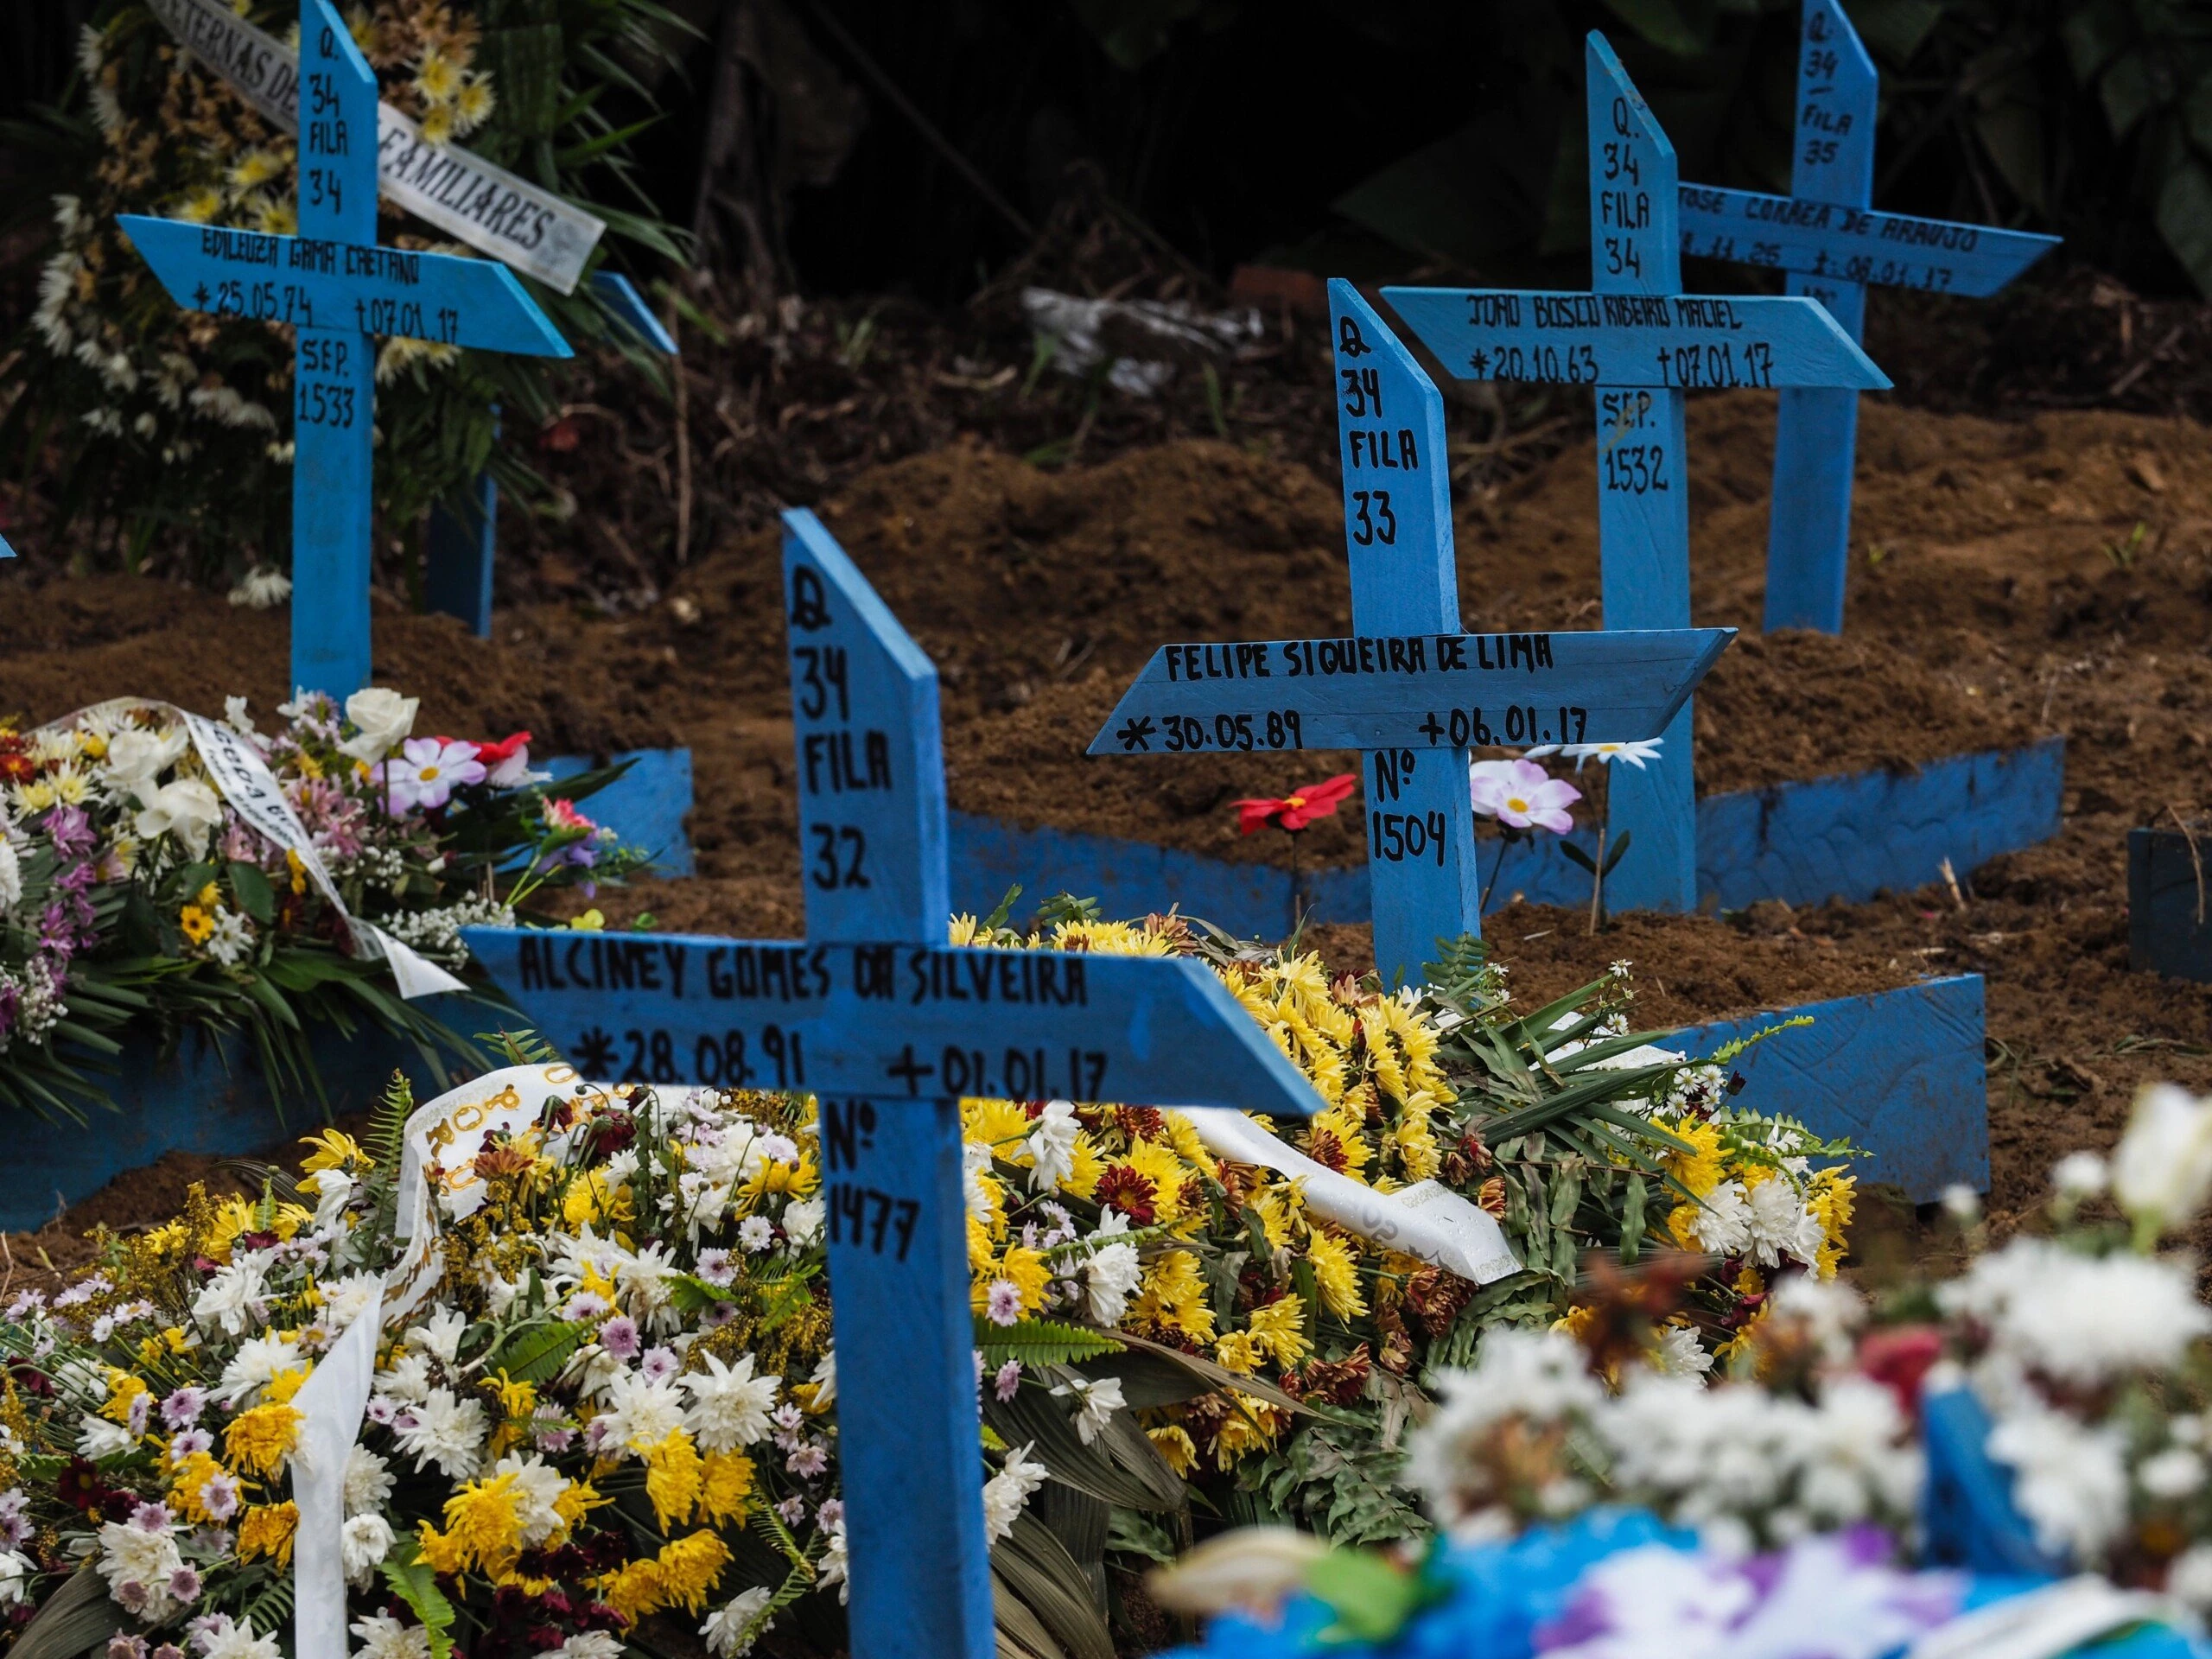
(77, 1616)
(1040, 1342)
(251, 889)
(536, 1352)
(1372, 1597)
(414, 1582)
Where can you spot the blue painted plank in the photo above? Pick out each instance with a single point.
(1851, 837)
(334, 368)
(1816, 428)
(457, 558)
(871, 770)
(891, 1020)
(1419, 691)
(1845, 837)
(1661, 341)
(2169, 904)
(344, 283)
(1857, 244)
(1397, 493)
(646, 806)
(1901, 1073)
(1967, 1512)
(1644, 497)
(616, 293)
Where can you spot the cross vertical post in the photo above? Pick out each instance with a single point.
(1397, 493)
(334, 368)
(1817, 431)
(872, 832)
(890, 1028)
(1644, 497)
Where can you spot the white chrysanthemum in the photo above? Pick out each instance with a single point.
(2162, 1168)
(2071, 1480)
(253, 1367)
(1110, 1277)
(1096, 1399)
(1722, 1220)
(728, 1630)
(345, 1300)
(640, 1413)
(368, 1482)
(589, 1644)
(1051, 1143)
(408, 1380)
(537, 1488)
(1782, 1228)
(97, 1437)
(1535, 1374)
(137, 1562)
(383, 1636)
(440, 1335)
(803, 1221)
(1007, 1493)
(447, 1432)
(16, 1571)
(235, 1295)
(1678, 1353)
(364, 1543)
(729, 1405)
(2080, 1320)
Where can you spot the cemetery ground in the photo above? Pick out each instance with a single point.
(2011, 578)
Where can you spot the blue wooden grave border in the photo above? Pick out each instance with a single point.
(1830, 247)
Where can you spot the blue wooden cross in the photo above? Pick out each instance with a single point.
(339, 289)
(891, 1027)
(1640, 341)
(1823, 236)
(1407, 686)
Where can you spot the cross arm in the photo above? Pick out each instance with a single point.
(313, 283)
(892, 1020)
(1673, 342)
(1411, 691)
(1854, 245)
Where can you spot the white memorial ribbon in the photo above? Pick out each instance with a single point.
(440, 1142)
(1427, 1220)
(242, 778)
(489, 209)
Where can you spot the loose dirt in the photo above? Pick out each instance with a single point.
(2008, 578)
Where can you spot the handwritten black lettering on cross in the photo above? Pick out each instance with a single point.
(891, 1027)
(338, 290)
(1408, 688)
(1641, 343)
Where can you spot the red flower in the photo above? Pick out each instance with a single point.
(1295, 810)
(492, 754)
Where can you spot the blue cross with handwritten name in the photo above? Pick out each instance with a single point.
(891, 1028)
(1408, 687)
(1823, 235)
(1640, 341)
(339, 289)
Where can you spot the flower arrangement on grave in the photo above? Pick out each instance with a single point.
(611, 1408)
(136, 885)
(169, 420)
(2040, 1413)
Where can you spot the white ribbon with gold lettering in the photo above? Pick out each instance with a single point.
(438, 1146)
(489, 209)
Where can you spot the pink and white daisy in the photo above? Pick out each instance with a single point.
(1522, 795)
(426, 772)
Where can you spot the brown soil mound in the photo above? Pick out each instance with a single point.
(2008, 578)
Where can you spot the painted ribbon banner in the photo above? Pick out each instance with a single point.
(492, 209)
(1411, 691)
(1854, 245)
(1664, 342)
(365, 287)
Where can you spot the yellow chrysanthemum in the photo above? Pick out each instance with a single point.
(1026, 1269)
(1238, 1350)
(1704, 1167)
(1174, 1295)
(727, 1485)
(1176, 1446)
(1281, 1325)
(1277, 1204)
(334, 1149)
(122, 1389)
(1252, 1429)
(188, 1483)
(260, 1440)
(1833, 1196)
(267, 1530)
(1336, 1275)
(689, 1567)
(483, 1525)
(1345, 1133)
(632, 1589)
(1183, 1136)
(674, 1477)
(1087, 1167)
(1159, 1165)
(999, 1124)
(437, 77)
